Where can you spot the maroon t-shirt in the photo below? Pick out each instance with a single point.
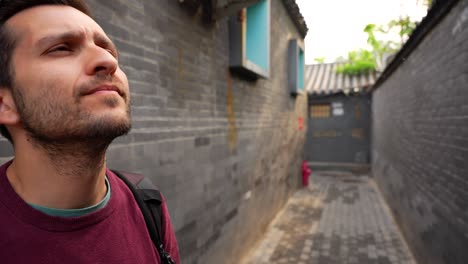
(114, 234)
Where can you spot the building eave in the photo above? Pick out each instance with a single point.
(217, 9)
(295, 14)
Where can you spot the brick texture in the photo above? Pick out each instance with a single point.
(225, 151)
(420, 142)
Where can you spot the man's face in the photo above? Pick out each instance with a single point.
(67, 84)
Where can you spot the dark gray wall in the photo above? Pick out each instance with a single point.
(420, 142)
(331, 139)
(226, 152)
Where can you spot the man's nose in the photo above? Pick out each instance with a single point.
(100, 61)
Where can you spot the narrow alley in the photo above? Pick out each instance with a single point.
(340, 218)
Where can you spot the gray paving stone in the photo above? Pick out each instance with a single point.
(336, 220)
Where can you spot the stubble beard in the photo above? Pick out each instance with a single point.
(57, 127)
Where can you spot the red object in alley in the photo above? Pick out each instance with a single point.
(306, 171)
(301, 123)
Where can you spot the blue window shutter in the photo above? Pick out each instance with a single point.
(296, 66)
(257, 35)
(249, 41)
(300, 71)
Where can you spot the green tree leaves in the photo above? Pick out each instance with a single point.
(365, 60)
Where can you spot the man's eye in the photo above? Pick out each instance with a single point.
(59, 49)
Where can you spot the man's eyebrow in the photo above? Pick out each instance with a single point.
(59, 37)
(100, 39)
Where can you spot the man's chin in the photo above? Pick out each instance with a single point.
(108, 128)
(99, 132)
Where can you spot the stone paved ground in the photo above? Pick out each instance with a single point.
(340, 218)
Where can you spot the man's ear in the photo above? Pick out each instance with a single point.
(8, 112)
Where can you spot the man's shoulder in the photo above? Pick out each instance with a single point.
(138, 180)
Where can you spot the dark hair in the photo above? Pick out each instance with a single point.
(9, 8)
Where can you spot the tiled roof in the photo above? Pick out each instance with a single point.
(323, 79)
(296, 16)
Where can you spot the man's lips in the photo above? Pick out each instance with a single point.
(104, 89)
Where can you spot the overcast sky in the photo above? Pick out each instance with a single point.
(336, 26)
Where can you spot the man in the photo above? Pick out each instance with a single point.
(63, 99)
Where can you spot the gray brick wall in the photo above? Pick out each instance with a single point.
(420, 142)
(226, 152)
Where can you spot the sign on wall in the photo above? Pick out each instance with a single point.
(337, 109)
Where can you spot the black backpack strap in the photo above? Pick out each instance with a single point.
(149, 200)
(153, 202)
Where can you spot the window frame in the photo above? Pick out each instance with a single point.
(238, 55)
(296, 67)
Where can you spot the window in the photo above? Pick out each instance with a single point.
(320, 111)
(300, 73)
(249, 40)
(296, 66)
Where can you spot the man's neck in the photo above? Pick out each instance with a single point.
(67, 177)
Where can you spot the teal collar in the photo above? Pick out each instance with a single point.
(76, 212)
